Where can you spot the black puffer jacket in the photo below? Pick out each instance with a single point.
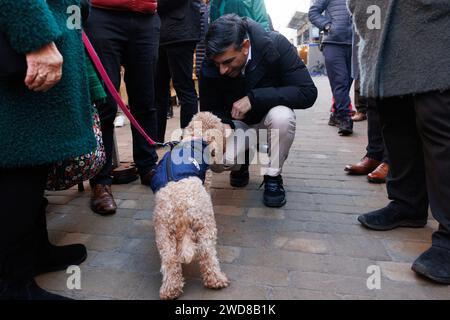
(180, 21)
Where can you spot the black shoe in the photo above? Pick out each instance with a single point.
(345, 126)
(274, 194)
(240, 178)
(26, 291)
(146, 179)
(55, 258)
(434, 264)
(389, 218)
(334, 121)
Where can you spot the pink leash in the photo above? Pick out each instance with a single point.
(112, 90)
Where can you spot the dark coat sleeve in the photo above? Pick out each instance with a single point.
(211, 97)
(315, 14)
(28, 24)
(297, 90)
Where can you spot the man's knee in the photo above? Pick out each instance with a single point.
(280, 117)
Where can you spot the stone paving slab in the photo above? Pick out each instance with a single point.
(313, 248)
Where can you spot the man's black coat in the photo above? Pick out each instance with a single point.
(180, 21)
(274, 76)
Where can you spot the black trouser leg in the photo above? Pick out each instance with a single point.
(21, 195)
(181, 64)
(361, 103)
(140, 61)
(406, 183)
(338, 63)
(375, 147)
(129, 39)
(108, 37)
(162, 92)
(433, 122)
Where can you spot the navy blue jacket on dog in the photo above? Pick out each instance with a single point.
(186, 160)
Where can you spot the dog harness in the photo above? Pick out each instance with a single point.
(188, 159)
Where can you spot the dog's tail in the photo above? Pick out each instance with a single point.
(187, 247)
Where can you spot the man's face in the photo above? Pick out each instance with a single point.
(231, 62)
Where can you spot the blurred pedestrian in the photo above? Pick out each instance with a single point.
(336, 23)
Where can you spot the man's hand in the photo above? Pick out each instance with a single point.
(240, 108)
(44, 68)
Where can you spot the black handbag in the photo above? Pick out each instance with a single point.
(13, 65)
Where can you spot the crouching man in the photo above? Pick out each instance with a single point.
(253, 79)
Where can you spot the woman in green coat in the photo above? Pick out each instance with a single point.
(254, 9)
(43, 119)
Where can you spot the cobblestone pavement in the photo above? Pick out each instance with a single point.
(313, 248)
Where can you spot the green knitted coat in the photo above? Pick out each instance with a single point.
(42, 128)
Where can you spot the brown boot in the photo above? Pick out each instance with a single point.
(365, 166)
(379, 174)
(102, 201)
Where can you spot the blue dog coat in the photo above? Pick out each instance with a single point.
(186, 160)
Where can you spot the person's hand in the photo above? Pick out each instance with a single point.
(240, 108)
(44, 68)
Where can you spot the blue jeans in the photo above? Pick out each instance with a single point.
(338, 61)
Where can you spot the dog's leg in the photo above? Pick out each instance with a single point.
(208, 180)
(173, 282)
(213, 277)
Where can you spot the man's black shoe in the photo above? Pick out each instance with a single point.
(334, 121)
(28, 290)
(345, 126)
(434, 264)
(274, 194)
(389, 218)
(240, 178)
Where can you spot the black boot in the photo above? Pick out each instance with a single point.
(16, 272)
(52, 258)
(274, 194)
(391, 217)
(434, 264)
(27, 290)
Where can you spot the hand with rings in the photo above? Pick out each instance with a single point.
(44, 68)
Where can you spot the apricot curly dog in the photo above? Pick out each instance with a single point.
(184, 217)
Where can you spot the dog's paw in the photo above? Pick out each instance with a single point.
(220, 281)
(170, 293)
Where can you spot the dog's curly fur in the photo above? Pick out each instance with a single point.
(184, 221)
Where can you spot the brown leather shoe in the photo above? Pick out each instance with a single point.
(379, 174)
(359, 116)
(102, 200)
(146, 179)
(365, 166)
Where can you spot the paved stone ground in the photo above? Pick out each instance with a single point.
(313, 248)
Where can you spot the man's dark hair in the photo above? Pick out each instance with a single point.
(226, 31)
